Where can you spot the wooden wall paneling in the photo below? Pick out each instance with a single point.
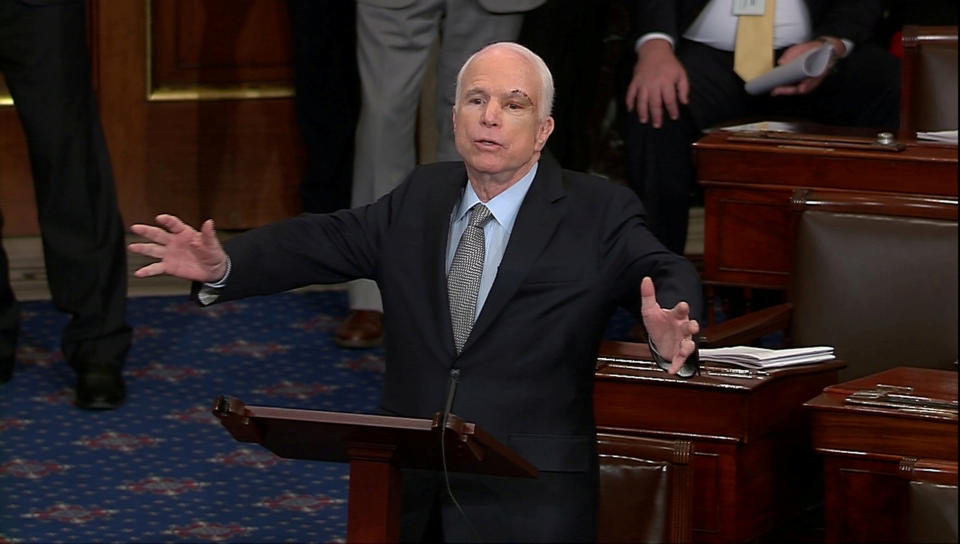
(221, 136)
(196, 101)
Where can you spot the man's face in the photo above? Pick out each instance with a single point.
(496, 126)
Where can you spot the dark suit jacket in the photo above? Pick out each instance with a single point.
(854, 20)
(578, 249)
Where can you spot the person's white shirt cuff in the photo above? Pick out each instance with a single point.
(210, 291)
(652, 36)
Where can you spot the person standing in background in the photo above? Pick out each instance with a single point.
(324, 39)
(569, 36)
(394, 43)
(44, 59)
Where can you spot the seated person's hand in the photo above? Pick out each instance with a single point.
(182, 251)
(659, 83)
(807, 85)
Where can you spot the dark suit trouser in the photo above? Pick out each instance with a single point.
(863, 90)
(43, 56)
(568, 35)
(327, 100)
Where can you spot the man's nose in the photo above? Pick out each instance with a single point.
(491, 114)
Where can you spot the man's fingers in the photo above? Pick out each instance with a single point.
(643, 106)
(656, 108)
(154, 269)
(683, 90)
(208, 235)
(172, 223)
(631, 98)
(150, 250)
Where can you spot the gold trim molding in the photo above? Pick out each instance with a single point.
(5, 98)
(210, 92)
(203, 92)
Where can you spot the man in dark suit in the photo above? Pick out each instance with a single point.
(562, 251)
(683, 82)
(43, 56)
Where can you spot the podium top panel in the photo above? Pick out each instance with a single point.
(346, 437)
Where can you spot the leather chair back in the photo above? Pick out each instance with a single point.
(877, 281)
(646, 490)
(931, 500)
(932, 512)
(929, 80)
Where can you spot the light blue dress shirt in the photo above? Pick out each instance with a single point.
(504, 208)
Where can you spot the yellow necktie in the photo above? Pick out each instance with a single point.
(753, 51)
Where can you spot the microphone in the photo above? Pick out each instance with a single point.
(451, 393)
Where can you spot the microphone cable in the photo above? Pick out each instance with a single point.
(451, 393)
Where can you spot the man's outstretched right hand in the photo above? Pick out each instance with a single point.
(182, 251)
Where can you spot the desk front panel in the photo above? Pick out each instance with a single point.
(753, 464)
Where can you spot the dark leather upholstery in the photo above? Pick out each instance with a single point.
(645, 490)
(932, 512)
(874, 276)
(880, 289)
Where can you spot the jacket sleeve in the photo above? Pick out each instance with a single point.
(657, 16)
(854, 20)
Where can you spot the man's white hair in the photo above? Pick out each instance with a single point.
(545, 104)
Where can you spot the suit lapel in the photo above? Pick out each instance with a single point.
(437, 228)
(537, 220)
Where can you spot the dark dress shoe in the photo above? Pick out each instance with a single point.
(100, 387)
(361, 329)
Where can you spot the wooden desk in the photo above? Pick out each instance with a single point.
(747, 183)
(872, 452)
(753, 466)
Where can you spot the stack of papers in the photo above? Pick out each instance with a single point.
(764, 358)
(948, 136)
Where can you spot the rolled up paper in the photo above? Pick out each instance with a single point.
(813, 63)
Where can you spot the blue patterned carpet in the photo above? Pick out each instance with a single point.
(162, 468)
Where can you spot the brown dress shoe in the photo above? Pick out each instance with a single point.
(361, 329)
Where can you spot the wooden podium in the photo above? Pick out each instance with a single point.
(877, 434)
(753, 467)
(376, 447)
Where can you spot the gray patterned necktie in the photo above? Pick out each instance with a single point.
(463, 282)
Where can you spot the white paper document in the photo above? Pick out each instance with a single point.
(947, 136)
(753, 357)
(813, 63)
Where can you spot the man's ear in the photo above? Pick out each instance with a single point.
(543, 132)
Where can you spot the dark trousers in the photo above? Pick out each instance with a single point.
(862, 91)
(44, 59)
(568, 35)
(327, 100)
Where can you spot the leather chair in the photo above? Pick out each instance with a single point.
(929, 80)
(873, 276)
(931, 501)
(646, 489)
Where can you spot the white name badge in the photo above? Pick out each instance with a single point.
(749, 7)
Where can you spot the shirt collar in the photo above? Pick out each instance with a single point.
(505, 206)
